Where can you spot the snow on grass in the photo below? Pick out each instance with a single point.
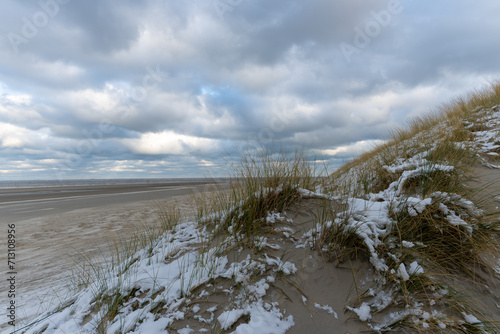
(497, 268)
(264, 318)
(415, 268)
(471, 319)
(286, 267)
(148, 271)
(486, 140)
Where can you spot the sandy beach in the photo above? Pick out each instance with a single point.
(83, 222)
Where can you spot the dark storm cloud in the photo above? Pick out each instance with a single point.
(107, 25)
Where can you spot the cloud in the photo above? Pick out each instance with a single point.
(164, 88)
(168, 142)
(12, 136)
(353, 149)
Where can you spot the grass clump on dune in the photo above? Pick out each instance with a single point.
(262, 183)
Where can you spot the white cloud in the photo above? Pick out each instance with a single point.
(353, 149)
(94, 105)
(57, 71)
(169, 142)
(12, 136)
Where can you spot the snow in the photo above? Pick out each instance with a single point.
(185, 330)
(470, 318)
(308, 193)
(363, 312)
(273, 217)
(259, 289)
(265, 320)
(420, 171)
(228, 318)
(369, 214)
(327, 308)
(416, 205)
(486, 141)
(171, 269)
(415, 268)
(453, 219)
(403, 273)
(196, 309)
(408, 244)
(497, 268)
(286, 267)
(152, 326)
(261, 242)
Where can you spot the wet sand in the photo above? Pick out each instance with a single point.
(22, 204)
(23, 194)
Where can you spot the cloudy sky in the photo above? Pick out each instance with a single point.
(165, 88)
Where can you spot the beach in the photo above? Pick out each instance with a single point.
(59, 228)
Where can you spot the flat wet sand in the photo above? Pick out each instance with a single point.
(24, 194)
(23, 204)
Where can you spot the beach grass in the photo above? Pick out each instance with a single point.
(426, 168)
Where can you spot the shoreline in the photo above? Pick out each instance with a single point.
(23, 194)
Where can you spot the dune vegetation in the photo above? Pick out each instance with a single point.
(401, 238)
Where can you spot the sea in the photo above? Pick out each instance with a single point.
(13, 184)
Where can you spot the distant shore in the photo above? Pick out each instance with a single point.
(27, 203)
(22, 194)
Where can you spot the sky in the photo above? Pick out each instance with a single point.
(164, 88)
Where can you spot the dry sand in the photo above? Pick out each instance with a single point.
(486, 181)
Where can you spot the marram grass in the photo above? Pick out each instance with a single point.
(430, 160)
